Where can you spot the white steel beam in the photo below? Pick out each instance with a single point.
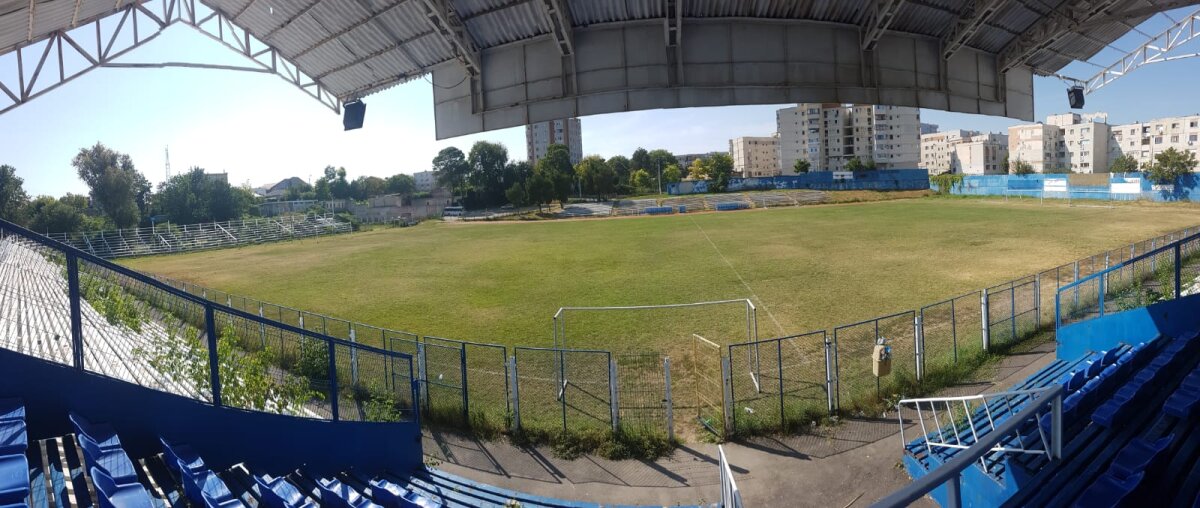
(558, 18)
(878, 21)
(976, 15)
(1162, 48)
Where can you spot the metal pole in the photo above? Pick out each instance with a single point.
(1178, 272)
(1037, 291)
(421, 377)
(613, 393)
(953, 494)
(830, 358)
(354, 358)
(983, 305)
(727, 393)
(779, 363)
(74, 298)
(1012, 311)
(1056, 426)
(919, 345)
(214, 370)
(466, 399)
(516, 397)
(669, 402)
(333, 380)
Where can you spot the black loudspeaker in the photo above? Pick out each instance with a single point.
(1074, 94)
(352, 117)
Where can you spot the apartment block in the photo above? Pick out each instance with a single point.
(755, 156)
(539, 137)
(937, 150)
(1065, 143)
(1143, 140)
(425, 181)
(981, 154)
(830, 135)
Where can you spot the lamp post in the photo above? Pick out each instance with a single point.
(660, 176)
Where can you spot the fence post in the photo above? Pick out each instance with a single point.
(354, 357)
(74, 297)
(779, 365)
(669, 402)
(516, 398)
(1178, 272)
(214, 370)
(919, 345)
(466, 398)
(727, 394)
(421, 373)
(612, 393)
(829, 373)
(1076, 279)
(987, 328)
(1037, 290)
(1012, 311)
(333, 380)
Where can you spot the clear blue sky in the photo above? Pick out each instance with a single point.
(260, 129)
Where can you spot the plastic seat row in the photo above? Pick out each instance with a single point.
(1118, 407)
(200, 484)
(113, 474)
(14, 467)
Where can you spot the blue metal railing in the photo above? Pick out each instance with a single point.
(1101, 277)
(950, 473)
(74, 256)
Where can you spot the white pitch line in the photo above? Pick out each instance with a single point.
(739, 276)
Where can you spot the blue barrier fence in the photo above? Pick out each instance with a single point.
(1121, 187)
(881, 180)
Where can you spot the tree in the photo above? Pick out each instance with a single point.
(13, 199)
(401, 184)
(596, 177)
(620, 165)
(854, 164)
(366, 187)
(1004, 164)
(698, 169)
(451, 169)
(1020, 167)
(335, 181)
(1124, 163)
(639, 160)
(556, 166)
(115, 186)
(672, 173)
(1169, 165)
(300, 191)
(640, 180)
(487, 161)
(801, 166)
(720, 170)
(49, 215)
(192, 197)
(322, 190)
(516, 194)
(540, 188)
(869, 165)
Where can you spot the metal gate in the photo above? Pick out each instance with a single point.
(708, 373)
(567, 389)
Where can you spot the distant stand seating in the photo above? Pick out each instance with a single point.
(171, 238)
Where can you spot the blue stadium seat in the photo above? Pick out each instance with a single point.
(101, 434)
(1108, 491)
(112, 494)
(114, 463)
(1182, 404)
(1094, 368)
(1138, 456)
(12, 410)
(392, 495)
(13, 439)
(206, 488)
(339, 495)
(14, 478)
(1075, 380)
(178, 455)
(1110, 356)
(279, 493)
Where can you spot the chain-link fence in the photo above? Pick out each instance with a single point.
(642, 392)
(561, 389)
(853, 346)
(1013, 311)
(951, 331)
(707, 375)
(778, 384)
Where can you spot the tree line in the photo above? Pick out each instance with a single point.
(486, 176)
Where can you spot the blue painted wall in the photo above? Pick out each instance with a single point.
(1169, 318)
(1187, 189)
(268, 443)
(888, 179)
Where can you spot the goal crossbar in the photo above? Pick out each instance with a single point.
(560, 318)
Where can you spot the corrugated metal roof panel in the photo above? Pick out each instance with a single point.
(508, 24)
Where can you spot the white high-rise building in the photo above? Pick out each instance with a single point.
(425, 181)
(1065, 143)
(830, 135)
(539, 137)
(981, 154)
(1143, 140)
(937, 150)
(755, 156)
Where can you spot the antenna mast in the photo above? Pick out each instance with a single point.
(168, 152)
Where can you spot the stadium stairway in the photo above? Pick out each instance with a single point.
(1130, 434)
(90, 467)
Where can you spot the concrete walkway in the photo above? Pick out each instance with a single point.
(850, 464)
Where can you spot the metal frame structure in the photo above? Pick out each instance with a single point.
(138, 23)
(1161, 48)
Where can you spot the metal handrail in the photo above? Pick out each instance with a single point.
(1165, 248)
(950, 474)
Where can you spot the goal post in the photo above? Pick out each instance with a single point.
(561, 321)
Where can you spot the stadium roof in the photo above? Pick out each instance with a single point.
(352, 48)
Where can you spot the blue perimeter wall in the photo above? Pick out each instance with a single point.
(223, 436)
(1187, 189)
(1170, 318)
(884, 180)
